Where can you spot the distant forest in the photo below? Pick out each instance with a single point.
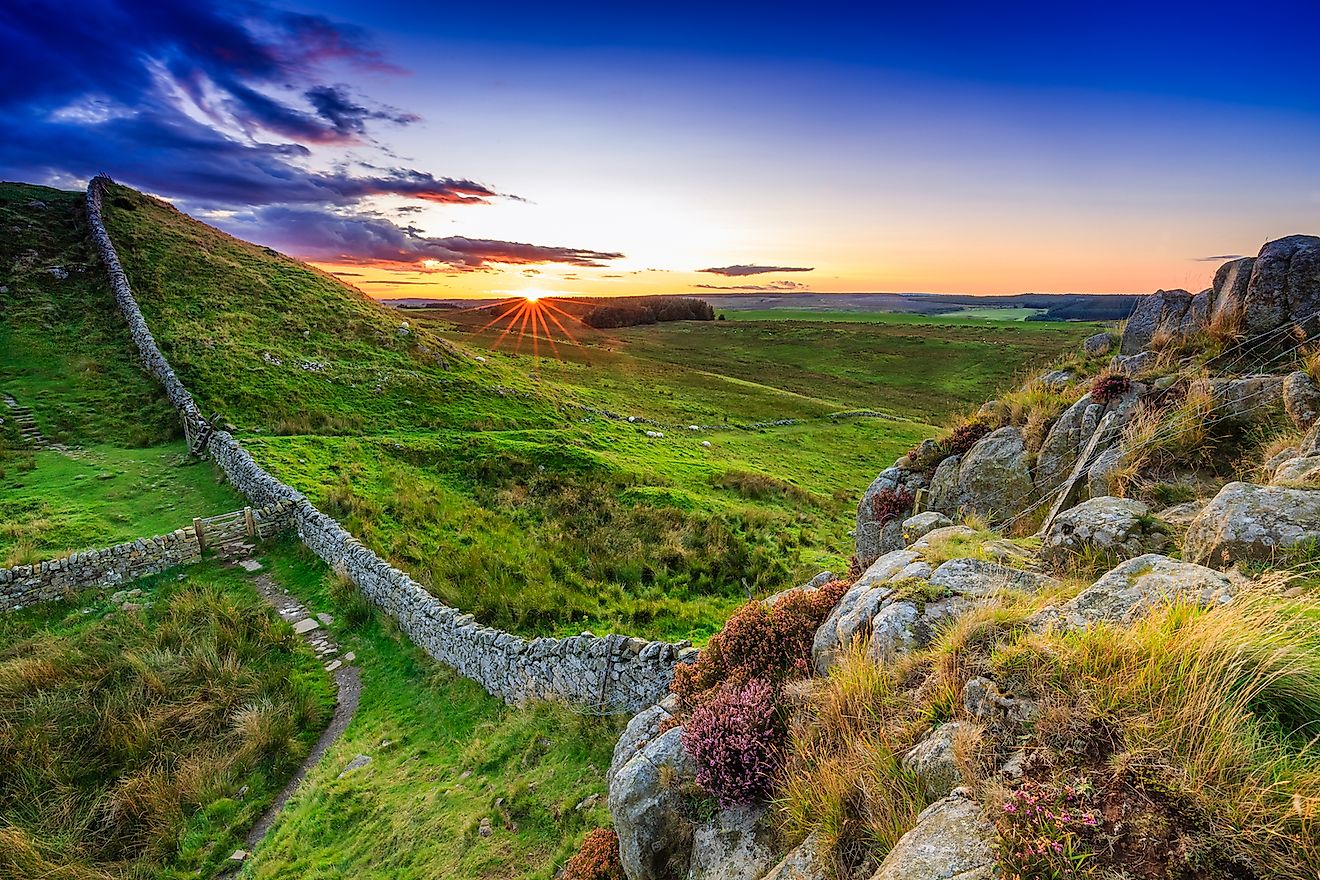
(631, 311)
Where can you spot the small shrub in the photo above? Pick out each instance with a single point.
(763, 642)
(890, 504)
(1043, 833)
(1110, 386)
(962, 438)
(597, 859)
(737, 742)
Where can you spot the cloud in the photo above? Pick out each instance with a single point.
(1218, 258)
(772, 286)
(347, 238)
(736, 271)
(216, 101)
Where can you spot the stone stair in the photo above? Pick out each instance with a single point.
(27, 425)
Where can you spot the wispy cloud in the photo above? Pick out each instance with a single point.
(737, 271)
(1218, 258)
(768, 287)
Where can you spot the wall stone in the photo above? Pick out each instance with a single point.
(597, 674)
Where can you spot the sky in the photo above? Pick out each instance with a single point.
(452, 150)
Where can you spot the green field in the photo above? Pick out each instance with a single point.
(960, 317)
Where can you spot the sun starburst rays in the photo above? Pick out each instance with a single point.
(528, 318)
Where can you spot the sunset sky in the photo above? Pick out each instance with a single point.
(423, 149)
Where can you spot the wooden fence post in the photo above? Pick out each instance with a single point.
(201, 536)
(251, 522)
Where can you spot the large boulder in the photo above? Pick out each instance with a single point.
(916, 527)
(646, 802)
(1098, 344)
(1241, 398)
(1229, 292)
(1132, 588)
(1285, 286)
(952, 840)
(992, 480)
(735, 844)
(1071, 433)
(1245, 521)
(934, 760)
(1161, 312)
(1115, 527)
(875, 537)
(1299, 472)
(804, 862)
(851, 618)
(642, 728)
(1301, 399)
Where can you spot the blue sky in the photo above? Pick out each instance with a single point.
(470, 149)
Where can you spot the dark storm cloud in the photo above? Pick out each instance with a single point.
(736, 271)
(340, 237)
(185, 99)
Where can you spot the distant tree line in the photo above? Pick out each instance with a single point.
(648, 310)
(1093, 308)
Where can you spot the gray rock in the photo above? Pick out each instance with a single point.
(918, 526)
(1284, 286)
(1132, 588)
(646, 804)
(1300, 472)
(873, 538)
(1134, 364)
(737, 844)
(1230, 291)
(901, 627)
(1181, 515)
(642, 728)
(993, 479)
(852, 616)
(804, 862)
(934, 760)
(978, 579)
(1241, 398)
(952, 840)
(1245, 521)
(1162, 311)
(1301, 399)
(1057, 379)
(1098, 344)
(1116, 526)
(982, 700)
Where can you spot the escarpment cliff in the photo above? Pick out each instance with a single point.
(1079, 634)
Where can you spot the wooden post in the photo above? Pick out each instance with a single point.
(201, 536)
(251, 522)
(919, 501)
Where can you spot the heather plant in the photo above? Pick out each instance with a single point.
(927, 456)
(1110, 386)
(767, 642)
(597, 859)
(737, 741)
(891, 503)
(1045, 832)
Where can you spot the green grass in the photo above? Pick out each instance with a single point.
(127, 735)
(958, 317)
(53, 503)
(444, 756)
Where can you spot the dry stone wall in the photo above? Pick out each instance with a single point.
(25, 585)
(596, 674)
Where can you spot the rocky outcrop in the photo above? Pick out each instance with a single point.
(642, 728)
(1161, 313)
(916, 527)
(934, 760)
(1301, 399)
(852, 616)
(1099, 344)
(992, 480)
(1285, 286)
(1118, 527)
(874, 537)
(1131, 589)
(1229, 292)
(1241, 398)
(952, 840)
(1072, 432)
(806, 861)
(735, 844)
(646, 802)
(1245, 521)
